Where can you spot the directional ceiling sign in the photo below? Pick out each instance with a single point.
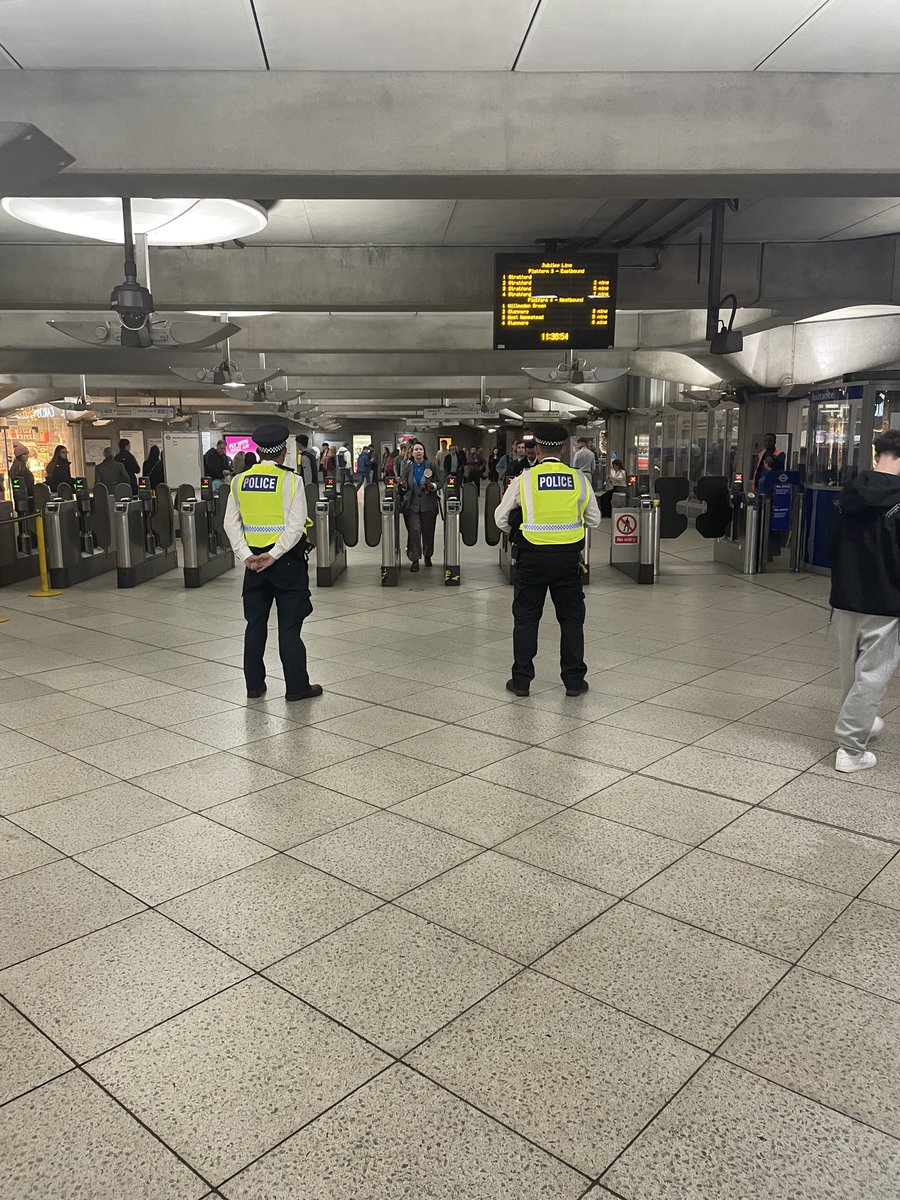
(555, 301)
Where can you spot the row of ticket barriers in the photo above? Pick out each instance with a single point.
(76, 534)
(82, 534)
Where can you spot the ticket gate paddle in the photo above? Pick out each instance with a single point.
(204, 547)
(145, 535)
(331, 552)
(390, 534)
(79, 536)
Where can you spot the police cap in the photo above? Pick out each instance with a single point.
(547, 433)
(272, 437)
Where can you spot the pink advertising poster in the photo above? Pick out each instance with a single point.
(238, 444)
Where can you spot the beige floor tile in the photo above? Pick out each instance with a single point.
(458, 749)
(862, 947)
(160, 863)
(477, 810)
(400, 1117)
(570, 1074)
(771, 912)
(95, 992)
(385, 854)
(70, 1139)
(268, 910)
(707, 1143)
(248, 1066)
(606, 855)
(27, 1058)
(722, 774)
(378, 726)
(507, 905)
(302, 751)
(213, 779)
(561, 778)
(289, 813)
(393, 977)
(50, 778)
(885, 888)
(50, 905)
(94, 818)
(836, 801)
(19, 851)
(681, 979)
(381, 777)
(614, 747)
(828, 1041)
(668, 809)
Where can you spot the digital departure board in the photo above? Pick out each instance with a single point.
(548, 301)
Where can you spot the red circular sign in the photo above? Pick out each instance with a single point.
(626, 524)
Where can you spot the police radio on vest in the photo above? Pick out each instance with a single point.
(557, 482)
(259, 483)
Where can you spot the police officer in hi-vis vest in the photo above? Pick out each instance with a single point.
(266, 521)
(546, 510)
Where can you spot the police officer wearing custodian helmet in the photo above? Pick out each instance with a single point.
(266, 521)
(546, 510)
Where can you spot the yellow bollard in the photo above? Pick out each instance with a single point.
(46, 590)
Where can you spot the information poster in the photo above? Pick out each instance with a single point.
(93, 449)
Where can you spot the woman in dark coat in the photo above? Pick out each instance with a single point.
(419, 483)
(59, 469)
(153, 468)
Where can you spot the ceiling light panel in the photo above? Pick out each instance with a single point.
(156, 35)
(659, 35)
(393, 35)
(172, 222)
(845, 35)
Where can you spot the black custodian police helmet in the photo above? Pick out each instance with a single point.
(546, 433)
(271, 438)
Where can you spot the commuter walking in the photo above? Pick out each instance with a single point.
(237, 463)
(364, 466)
(475, 467)
(549, 506)
(59, 469)
(454, 463)
(493, 459)
(110, 472)
(345, 465)
(584, 459)
(153, 468)
(512, 463)
(19, 468)
(307, 467)
(266, 521)
(616, 478)
(326, 461)
(865, 596)
(420, 506)
(216, 462)
(129, 462)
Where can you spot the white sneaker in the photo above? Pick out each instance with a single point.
(877, 728)
(847, 762)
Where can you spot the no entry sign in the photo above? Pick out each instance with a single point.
(625, 530)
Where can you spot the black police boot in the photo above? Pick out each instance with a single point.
(517, 689)
(310, 693)
(578, 689)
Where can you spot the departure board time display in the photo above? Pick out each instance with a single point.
(555, 301)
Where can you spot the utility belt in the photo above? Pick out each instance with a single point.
(301, 551)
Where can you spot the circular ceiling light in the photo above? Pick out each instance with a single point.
(165, 222)
(243, 312)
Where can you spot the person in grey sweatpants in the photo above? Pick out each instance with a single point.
(865, 594)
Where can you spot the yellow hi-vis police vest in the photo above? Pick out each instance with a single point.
(264, 495)
(554, 499)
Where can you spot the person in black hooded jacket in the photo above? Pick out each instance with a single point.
(865, 594)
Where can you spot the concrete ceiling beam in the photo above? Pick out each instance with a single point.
(456, 134)
(427, 279)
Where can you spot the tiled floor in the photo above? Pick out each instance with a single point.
(418, 940)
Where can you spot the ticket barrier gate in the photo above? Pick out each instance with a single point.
(144, 535)
(18, 547)
(204, 546)
(336, 512)
(390, 533)
(452, 517)
(79, 534)
(634, 540)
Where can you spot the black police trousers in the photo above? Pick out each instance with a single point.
(287, 583)
(560, 572)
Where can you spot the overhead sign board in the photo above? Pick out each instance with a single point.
(555, 301)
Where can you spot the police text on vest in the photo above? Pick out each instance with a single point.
(259, 483)
(556, 483)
